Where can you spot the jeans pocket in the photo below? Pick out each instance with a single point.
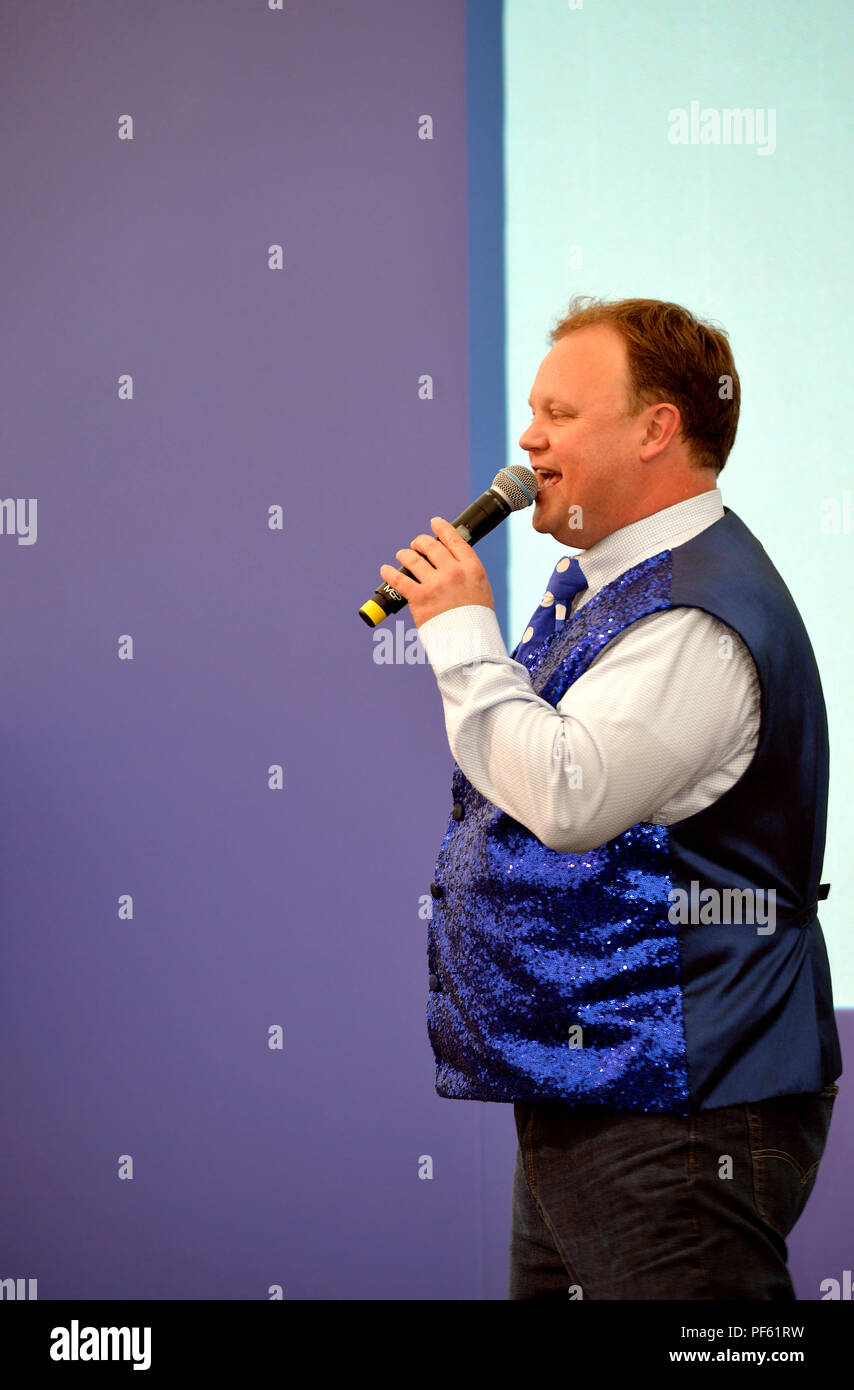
(787, 1139)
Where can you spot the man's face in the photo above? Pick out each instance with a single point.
(581, 431)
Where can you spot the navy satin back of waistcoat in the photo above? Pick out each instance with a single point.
(562, 977)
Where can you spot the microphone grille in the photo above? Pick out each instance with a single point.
(517, 485)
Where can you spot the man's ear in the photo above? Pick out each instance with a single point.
(663, 423)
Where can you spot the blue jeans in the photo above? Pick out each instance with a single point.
(621, 1205)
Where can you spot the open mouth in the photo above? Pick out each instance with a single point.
(546, 478)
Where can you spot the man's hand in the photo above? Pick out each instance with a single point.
(447, 573)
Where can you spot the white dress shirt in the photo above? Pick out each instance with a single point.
(663, 721)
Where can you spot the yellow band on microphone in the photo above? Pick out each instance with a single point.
(372, 612)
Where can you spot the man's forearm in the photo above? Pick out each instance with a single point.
(653, 716)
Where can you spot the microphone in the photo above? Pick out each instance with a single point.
(512, 489)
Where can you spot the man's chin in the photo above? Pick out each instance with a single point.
(543, 522)
(552, 518)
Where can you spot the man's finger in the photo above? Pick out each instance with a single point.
(412, 560)
(406, 587)
(431, 548)
(450, 537)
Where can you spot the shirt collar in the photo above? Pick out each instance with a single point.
(626, 547)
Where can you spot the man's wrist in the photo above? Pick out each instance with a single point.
(462, 636)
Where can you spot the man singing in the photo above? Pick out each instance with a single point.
(624, 940)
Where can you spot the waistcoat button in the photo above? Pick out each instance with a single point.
(437, 890)
(457, 810)
(434, 982)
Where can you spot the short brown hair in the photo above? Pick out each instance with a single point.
(672, 357)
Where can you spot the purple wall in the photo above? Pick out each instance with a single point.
(251, 907)
(148, 777)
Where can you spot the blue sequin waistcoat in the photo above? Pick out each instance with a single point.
(559, 976)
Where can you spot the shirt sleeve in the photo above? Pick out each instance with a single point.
(667, 715)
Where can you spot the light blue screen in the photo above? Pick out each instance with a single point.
(600, 200)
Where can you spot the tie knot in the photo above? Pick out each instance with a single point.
(566, 581)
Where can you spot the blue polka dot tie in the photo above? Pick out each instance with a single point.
(566, 581)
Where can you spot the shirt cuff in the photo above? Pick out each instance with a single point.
(463, 636)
